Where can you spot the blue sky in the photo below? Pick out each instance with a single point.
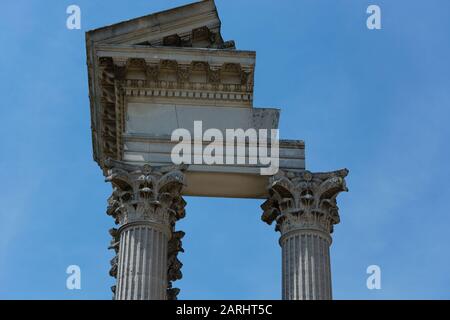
(376, 102)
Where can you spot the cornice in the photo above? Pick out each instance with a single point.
(121, 77)
(174, 20)
(180, 54)
(185, 40)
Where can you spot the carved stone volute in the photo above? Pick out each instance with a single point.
(145, 193)
(304, 200)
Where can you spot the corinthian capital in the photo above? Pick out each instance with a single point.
(145, 193)
(304, 200)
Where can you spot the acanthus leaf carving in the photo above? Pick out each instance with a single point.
(152, 72)
(183, 73)
(214, 76)
(193, 80)
(174, 273)
(145, 193)
(304, 200)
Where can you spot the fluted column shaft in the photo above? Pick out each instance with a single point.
(142, 265)
(146, 203)
(306, 271)
(303, 206)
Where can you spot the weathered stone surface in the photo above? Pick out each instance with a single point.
(146, 203)
(174, 265)
(303, 207)
(192, 25)
(153, 74)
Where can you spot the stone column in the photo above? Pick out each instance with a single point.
(303, 206)
(145, 203)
